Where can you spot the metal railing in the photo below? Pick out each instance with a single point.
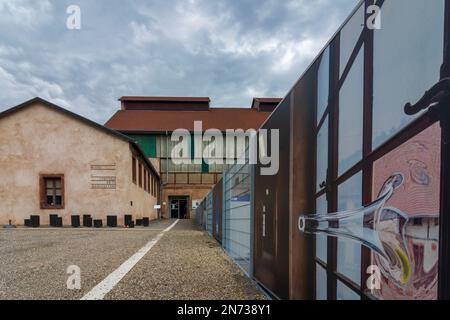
(209, 213)
(237, 215)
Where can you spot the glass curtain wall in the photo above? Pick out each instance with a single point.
(204, 171)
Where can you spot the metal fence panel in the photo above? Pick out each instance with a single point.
(209, 213)
(237, 215)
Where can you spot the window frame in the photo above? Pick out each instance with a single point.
(145, 178)
(133, 169)
(43, 191)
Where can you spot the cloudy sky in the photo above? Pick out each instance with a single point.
(229, 50)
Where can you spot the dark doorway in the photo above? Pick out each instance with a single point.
(179, 207)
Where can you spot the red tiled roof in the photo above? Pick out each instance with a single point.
(160, 120)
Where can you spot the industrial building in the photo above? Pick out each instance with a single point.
(150, 121)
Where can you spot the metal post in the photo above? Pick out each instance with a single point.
(445, 69)
(252, 218)
(444, 224)
(444, 234)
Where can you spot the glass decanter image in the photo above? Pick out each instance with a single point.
(403, 246)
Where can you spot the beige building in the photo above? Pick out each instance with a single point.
(54, 162)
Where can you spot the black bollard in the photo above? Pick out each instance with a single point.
(89, 222)
(128, 220)
(111, 221)
(85, 220)
(98, 223)
(75, 221)
(53, 220)
(35, 221)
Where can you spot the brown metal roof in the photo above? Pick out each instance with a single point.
(269, 100)
(161, 121)
(168, 99)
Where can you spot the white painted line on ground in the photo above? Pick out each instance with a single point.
(101, 290)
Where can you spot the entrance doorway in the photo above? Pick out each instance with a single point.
(179, 207)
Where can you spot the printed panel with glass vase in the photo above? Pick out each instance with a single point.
(401, 225)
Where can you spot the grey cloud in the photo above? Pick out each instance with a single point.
(228, 50)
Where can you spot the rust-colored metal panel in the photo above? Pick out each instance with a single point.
(303, 101)
(271, 210)
(148, 121)
(167, 105)
(217, 211)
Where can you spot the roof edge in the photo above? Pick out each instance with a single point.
(91, 123)
(164, 99)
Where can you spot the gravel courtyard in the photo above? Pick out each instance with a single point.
(185, 264)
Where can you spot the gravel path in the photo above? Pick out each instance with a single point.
(33, 262)
(186, 264)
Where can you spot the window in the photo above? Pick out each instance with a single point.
(52, 191)
(321, 240)
(322, 155)
(351, 100)
(140, 174)
(133, 164)
(407, 60)
(153, 191)
(349, 252)
(350, 34)
(321, 283)
(323, 86)
(152, 185)
(145, 179)
(344, 293)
